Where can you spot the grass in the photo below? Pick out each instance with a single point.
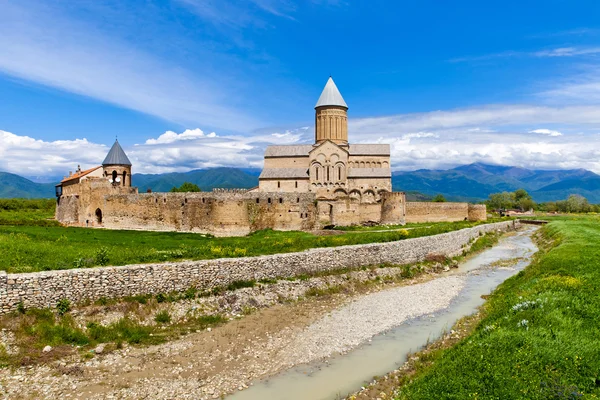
(539, 331)
(28, 244)
(36, 328)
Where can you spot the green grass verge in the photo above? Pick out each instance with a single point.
(539, 336)
(34, 246)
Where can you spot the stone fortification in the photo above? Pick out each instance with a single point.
(223, 213)
(45, 289)
(444, 212)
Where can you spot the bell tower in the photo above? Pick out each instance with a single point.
(331, 116)
(117, 167)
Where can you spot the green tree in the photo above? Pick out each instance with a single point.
(501, 200)
(439, 198)
(577, 203)
(186, 187)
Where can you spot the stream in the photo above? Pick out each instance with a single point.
(344, 374)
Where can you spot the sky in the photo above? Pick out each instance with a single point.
(189, 84)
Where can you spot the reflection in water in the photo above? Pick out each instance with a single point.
(346, 373)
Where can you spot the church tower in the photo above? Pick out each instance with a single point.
(117, 167)
(331, 116)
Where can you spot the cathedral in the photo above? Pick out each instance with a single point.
(331, 167)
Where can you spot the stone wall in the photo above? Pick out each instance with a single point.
(442, 212)
(219, 213)
(45, 289)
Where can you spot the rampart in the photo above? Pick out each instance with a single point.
(219, 213)
(45, 289)
(442, 212)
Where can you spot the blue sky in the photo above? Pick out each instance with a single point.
(190, 84)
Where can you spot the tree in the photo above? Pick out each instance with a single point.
(186, 187)
(501, 200)
(439, 198)
(577, 203)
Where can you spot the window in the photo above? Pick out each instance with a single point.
(257, 200)
(124, 176)
(114, 176)
(269, 200)
(280, 200)
(296, 183)
(278, 184)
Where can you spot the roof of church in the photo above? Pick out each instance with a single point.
(302, 150)
(289, 150)
(369, 172)
(369, 149)
(331, 96)
(116, 156)
(283, 173)
(80, 174)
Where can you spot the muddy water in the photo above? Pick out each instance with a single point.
(346, 373)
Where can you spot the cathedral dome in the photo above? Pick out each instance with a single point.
(331, 96)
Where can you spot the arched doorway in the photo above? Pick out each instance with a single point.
(98, 215)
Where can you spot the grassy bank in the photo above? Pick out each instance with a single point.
(31, 243)
(539, 333)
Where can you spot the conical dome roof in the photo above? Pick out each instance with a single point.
(331, 96)
(116, 156)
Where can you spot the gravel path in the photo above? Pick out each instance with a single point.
(357, 322)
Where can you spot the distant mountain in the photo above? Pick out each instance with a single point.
(477, 181)
(472, 182)
(206, 179)
(12, 185)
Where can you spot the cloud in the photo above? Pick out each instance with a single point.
(556, 52)
(42, 44)
(506, 135)
(548, 132)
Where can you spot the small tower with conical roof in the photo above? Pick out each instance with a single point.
(331, 116)
(117, 167)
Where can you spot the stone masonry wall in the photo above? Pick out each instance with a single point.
(436, 212)
(45, 289)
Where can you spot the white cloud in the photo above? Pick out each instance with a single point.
(548, 132)
(188, 134)
(438, 139)
(555, 52)
(567, 52)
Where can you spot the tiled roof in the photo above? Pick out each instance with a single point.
(284, 173)
(296, 150)
(369, 172)
(116, 156)
(369, 149)
(79, 174)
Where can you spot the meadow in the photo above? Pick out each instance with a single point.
(539, 333)
(31, 241)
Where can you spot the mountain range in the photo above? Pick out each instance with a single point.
(473, 182)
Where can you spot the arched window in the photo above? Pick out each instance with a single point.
(124, 176)
(114, 176)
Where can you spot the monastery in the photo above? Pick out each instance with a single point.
(302, 187)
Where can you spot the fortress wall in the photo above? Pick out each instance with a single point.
(67, 210)
(45, 289)
(393, 208)
(436, 212)
(218, 213)
(477, 212)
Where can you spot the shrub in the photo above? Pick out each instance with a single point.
(162, 317)
(63, 306)
(21, 308)
(241, 284)
(102, 256)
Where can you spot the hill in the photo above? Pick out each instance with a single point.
(472, 182)
(12, 186)
(477, 181)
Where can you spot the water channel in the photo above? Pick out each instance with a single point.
(346, 373)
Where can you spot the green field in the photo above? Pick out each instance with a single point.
(539, 337)
(30, 241)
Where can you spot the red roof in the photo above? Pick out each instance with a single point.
(80, 174)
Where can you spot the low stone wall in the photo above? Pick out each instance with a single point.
(45, 289)
(443, 212)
